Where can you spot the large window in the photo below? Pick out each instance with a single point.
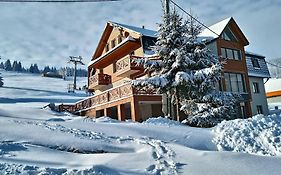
(234, 82)
(231, 53)
(228, 35)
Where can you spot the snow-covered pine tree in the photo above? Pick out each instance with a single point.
(1, 81)
(188, 72)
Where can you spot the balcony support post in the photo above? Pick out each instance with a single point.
(135, 112)
(121, 112)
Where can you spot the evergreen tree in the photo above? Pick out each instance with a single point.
(19, 67)
(46, 69)
(36, 69)
(31, 69)
(188, 73)
(2, 65)
(1, 81)
(8, 66)
(14, 67)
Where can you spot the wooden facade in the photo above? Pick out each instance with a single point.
(112, 68)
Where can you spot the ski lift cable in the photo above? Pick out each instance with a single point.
(272, 64)
(193, 17)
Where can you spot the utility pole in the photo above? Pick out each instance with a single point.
(167, 6)
(75, 60)
(167, 107)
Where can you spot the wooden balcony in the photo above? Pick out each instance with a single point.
(111, 95)
(126, 67)
(98, 80)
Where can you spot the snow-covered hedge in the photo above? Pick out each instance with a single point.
(258, 135)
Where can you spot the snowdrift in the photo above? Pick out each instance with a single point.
(258, 135)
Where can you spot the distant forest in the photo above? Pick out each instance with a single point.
(16, 66)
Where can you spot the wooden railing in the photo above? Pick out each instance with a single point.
(99, 79)
(126, 64)
(123, 64)
(106, 97)
(67, 107)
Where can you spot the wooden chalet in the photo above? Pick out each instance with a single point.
(112, 68)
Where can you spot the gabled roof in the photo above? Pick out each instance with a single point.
(142, 31)
(217, 29)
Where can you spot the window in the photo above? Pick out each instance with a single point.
(113, 43)
(259, 109)
(234, 82)
(228, 35)
(231, 53)
(255, 62)
(119, 39)
(256, 88)
(107, 48)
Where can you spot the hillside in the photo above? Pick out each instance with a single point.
(35, 140)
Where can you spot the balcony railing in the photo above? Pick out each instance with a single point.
(110, 96)
(99, 80)
(126, 66)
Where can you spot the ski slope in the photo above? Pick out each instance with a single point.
(34, 140)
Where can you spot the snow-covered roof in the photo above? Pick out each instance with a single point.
(254, 54)
(262, 71)
(142, 31)
(217, 29)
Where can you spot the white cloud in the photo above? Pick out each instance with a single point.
(49, 33)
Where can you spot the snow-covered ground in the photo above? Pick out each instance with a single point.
(34, 140)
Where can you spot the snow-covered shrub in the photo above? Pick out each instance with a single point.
(258, 135)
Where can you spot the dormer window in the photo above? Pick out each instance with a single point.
(228, 35)
(255, 63)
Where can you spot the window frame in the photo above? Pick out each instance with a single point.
(107, 47)
(229, 84)
(255, 63)
(119, 39)
(113, 43)
(256, 88)
(259, 109)
(231, 54)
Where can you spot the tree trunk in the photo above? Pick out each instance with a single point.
(177, 105)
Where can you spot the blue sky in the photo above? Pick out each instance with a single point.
(48, 33)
